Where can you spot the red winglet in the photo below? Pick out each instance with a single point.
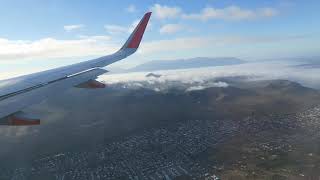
(91, 84)
(136, 36)
(16, 121)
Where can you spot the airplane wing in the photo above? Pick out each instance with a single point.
(21, 92)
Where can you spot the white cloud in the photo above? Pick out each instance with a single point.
(227, 13)
(165, 12)
(174, 44)
(131, 8)
(73, 27)
(200, 76)
(268, 12)
(180, 44)
(96, 38)
(204, 86)
(54, 48)
(231, 13)
(11, 50)
(116, 29)
(170, 28)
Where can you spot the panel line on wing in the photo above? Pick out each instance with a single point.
(3, 97)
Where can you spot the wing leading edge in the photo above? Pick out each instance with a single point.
(23, 91)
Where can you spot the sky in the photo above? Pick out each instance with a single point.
(36, 35)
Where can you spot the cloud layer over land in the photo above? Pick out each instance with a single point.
(252, 71)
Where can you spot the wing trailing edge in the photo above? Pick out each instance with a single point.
(20, 118)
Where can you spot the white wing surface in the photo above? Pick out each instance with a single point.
(21, 92)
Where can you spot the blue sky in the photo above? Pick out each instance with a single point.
(37, 35)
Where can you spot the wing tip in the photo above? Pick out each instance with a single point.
(148, 13)
(135, 38)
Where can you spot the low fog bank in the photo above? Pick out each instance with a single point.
(302, 72)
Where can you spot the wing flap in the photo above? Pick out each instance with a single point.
(20, 119)
(18, 102)
(91, 84)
